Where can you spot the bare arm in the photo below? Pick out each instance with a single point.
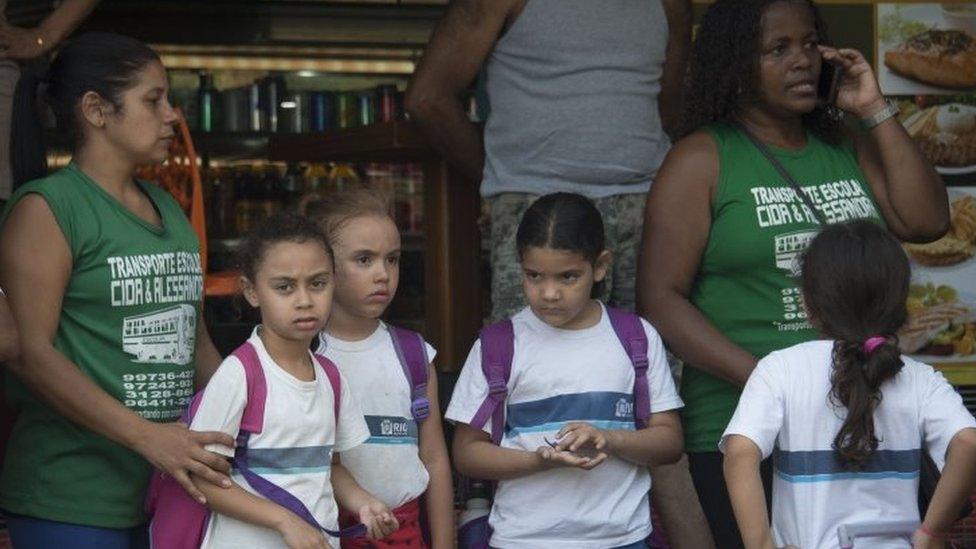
(456, 51)
(910, 193)
(741, 466)
(440, 490)
(242, 505)
(36, 264)
(957, 483)
(9, 338)
(670, 102)
(207, 357)
(23, 44)
(670, 257)
(475, 456)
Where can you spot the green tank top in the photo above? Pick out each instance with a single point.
(128, 321)
(746, 284)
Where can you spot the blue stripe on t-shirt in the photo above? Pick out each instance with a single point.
(602, 409)
(827, 465)
(288, 461)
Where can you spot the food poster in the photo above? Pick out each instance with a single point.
(926, 63)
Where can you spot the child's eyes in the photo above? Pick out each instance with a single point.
(533, 276)
(283, 287)
(393, 260)
(570, 277)
(319, 284)
(364, 260)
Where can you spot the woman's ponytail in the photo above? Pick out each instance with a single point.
(28, 150)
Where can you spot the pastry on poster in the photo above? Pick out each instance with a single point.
(946, 134)
(939, 323)
(958, 245)
(944, 58)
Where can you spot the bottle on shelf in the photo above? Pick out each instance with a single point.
(206, 103)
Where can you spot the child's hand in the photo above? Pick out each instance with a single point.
(299, 534)
(584, 439)
(378, 519)
(560, 458)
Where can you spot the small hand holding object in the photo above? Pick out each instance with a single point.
(378, 519)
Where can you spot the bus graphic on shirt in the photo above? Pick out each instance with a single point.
(164, 336)
(789, 246)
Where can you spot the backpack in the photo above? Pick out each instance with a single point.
(179, 521)
(412, 354)
(497, 352)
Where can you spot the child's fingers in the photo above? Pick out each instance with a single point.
(592, 463)
(188, 486)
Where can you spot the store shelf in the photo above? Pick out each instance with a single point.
(383, 142)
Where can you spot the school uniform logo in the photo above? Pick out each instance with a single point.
(391, 430)
(624, 409)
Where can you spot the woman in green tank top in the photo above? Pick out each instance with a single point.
(719, 282)
(104, 279)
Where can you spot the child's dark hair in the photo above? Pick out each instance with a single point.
(562, 221)
(855, 286)
(100, 62)
(281, 227)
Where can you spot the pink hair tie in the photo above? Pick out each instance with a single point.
(872, 343)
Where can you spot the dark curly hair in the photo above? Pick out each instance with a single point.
(724, 67)
(281, 227)
(855, 286)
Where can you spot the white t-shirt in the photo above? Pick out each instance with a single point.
(785, 409)
(294, 448)
(388, 465)
(559, 376)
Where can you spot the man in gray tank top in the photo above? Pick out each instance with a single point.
(582, 94)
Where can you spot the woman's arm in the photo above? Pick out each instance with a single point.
(433, 452)
(207, 357)
(23, 44)
(242, 505)
(35, 267)
(909, 192)
(677, 221)
(741, 466)
(9, 338)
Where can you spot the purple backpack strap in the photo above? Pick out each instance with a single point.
(497, 352)
(631, 334)
(332, 372)
(412, 354)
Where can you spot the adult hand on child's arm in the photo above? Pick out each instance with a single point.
(179, 452)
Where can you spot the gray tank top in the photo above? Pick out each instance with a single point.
(572, 88)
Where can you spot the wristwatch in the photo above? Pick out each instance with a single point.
(890, 109)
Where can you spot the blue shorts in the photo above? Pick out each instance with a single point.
(34, 533)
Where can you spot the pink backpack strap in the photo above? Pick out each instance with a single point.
(332, 373)
(252, 421)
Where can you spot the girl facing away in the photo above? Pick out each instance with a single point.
(571, 464)
(288, 275)
(404, 461)
(846, 418)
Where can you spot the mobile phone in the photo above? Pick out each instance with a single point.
(827, 85)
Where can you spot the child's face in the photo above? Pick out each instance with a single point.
(293, 288)
(557, 284)
(367, 254)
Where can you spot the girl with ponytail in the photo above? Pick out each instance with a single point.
(846, 418)
(104, 279)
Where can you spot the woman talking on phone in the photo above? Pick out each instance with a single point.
(765, 162)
